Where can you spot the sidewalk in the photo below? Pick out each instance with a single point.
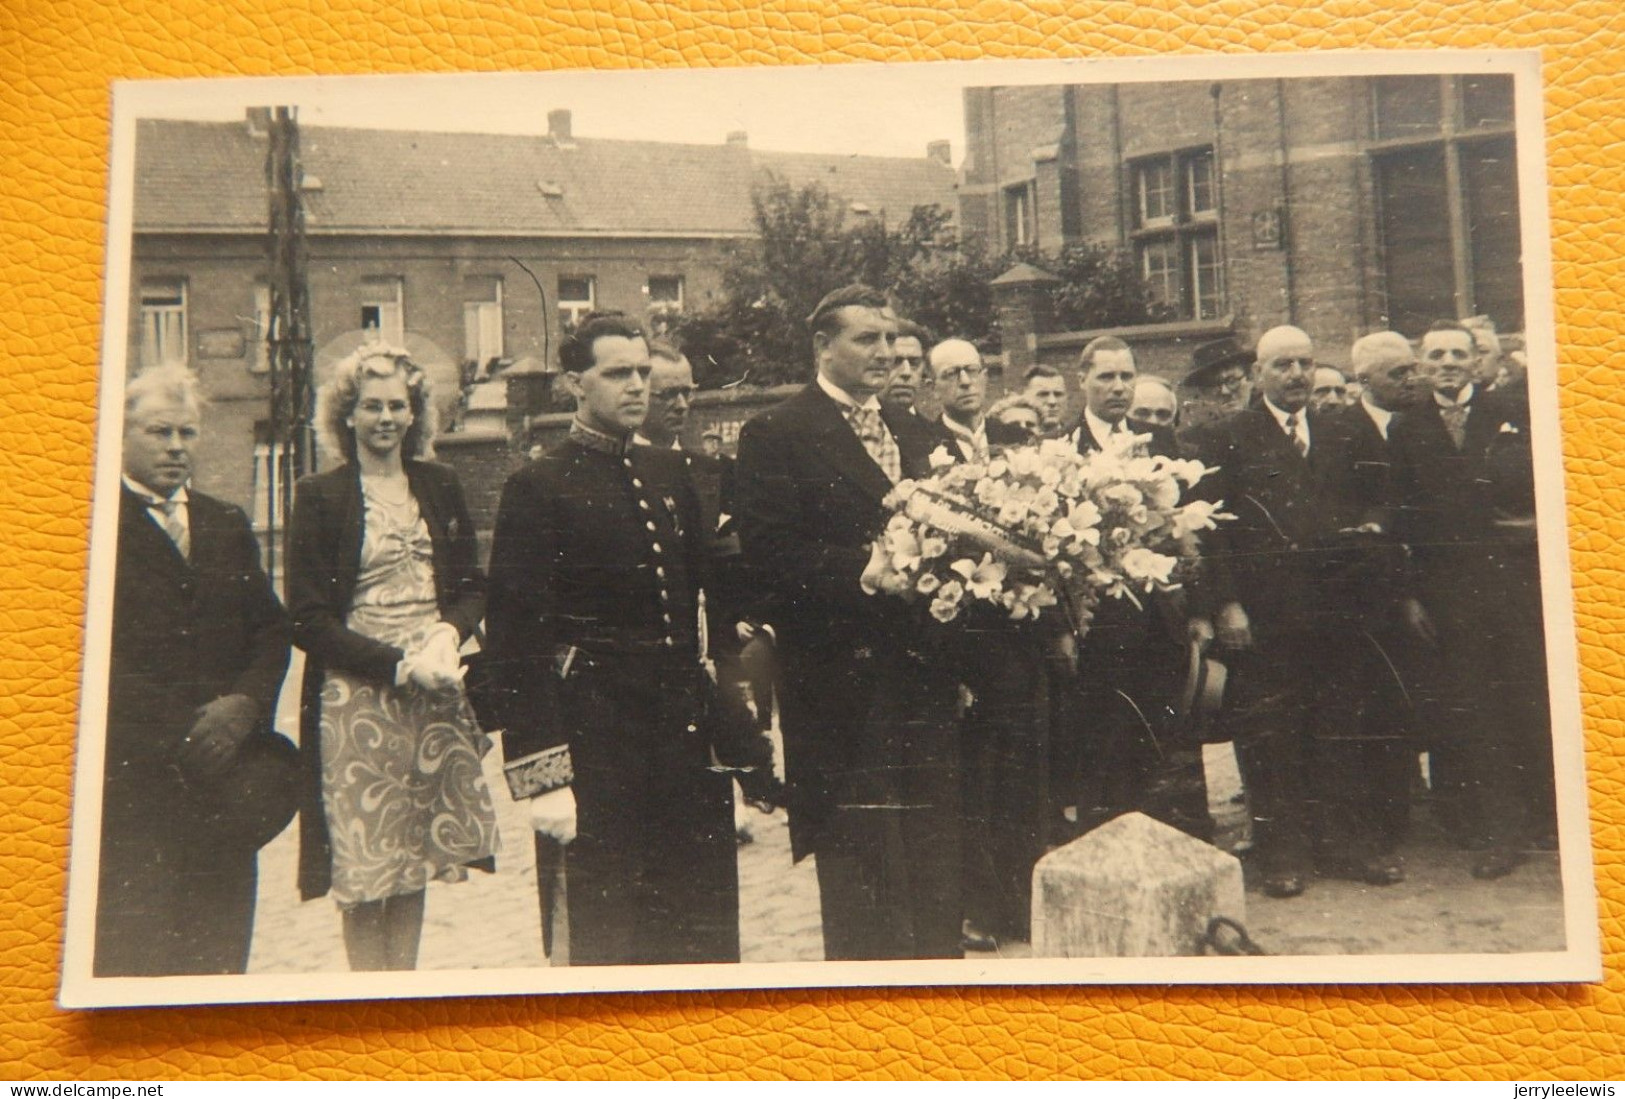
(491, 920)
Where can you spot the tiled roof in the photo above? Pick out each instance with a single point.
(210, 177)
(894, 185)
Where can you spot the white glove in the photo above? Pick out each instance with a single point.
(436, 666)
(554, 814)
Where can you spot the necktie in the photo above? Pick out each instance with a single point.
(174, 527)
(1296, 436)
(871, 431)
(1455, 422)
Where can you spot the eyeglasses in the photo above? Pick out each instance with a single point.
(673, 392)
(952, 373)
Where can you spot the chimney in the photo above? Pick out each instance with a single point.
(259, 121)
(941, 152)
(558, 126)
(739, 138)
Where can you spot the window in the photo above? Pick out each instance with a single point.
(482, 322)
(1447, 200)
(1176, 238)
(163, 322)
(1486, 101)
(259, 357)
(1407, 106)
(1154, 185)
(268, 479)
(576, 296)
(1018, 215)
(383, 309)
(665, 293)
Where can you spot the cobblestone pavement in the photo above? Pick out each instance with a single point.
(491, 920)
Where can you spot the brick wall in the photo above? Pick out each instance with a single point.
(221, 273)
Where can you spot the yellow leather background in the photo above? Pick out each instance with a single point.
(58, 59)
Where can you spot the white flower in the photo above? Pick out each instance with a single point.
(904, 548)
(1194, 516)
(1147, 567)
(985, 578)
(875, 569)
(941, 459)
(1188, 470)
(927, 583)
(1165, 493)
(932, 546)
(1025, 600)
(944, 611)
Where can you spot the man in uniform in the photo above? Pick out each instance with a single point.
(866, 702)
(200, 646)
(597, 560)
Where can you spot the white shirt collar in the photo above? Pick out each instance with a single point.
(972, 441)
(1281, 418)
(1100, 429)
(843, 398)
(640, 439)
(1463, 397)
(153, 499)
(1379, 416)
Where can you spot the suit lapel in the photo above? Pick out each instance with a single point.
(840, 446)
(147, 537)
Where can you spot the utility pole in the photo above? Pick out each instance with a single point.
(292, 349)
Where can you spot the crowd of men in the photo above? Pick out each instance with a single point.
(1375, 596)
(651, 610)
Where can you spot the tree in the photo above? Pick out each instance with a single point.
(804, 248)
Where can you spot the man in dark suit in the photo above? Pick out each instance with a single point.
(200, 646)
(1363, 758)
(1276, 468)
(1463, 489)
(910, 373)
(1121, 752)
(867, 701)
(597, 560)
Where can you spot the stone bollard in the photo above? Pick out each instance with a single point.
(1132, 888)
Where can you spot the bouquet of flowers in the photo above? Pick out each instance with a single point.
(1039, 526)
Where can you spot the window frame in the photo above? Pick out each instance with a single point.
(1020, 213)
(477, 325)
(576, 307)
(666, 304)
(155, 349)
(372, 298)
(1181, 232)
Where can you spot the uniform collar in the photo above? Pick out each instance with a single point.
(591, 438)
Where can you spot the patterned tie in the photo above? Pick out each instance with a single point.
(174, 527)
(871, 431)
(1297, 438)
(1455, 422)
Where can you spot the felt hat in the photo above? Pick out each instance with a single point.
(1202, 697)
(1210, 358)
(252, 802)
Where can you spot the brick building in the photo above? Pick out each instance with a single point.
(1342, 205)
(427, 238)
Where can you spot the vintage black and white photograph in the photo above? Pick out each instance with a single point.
(976, 523)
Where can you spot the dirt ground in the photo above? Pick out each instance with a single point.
(491, 920)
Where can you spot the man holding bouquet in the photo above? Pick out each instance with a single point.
(867, 701)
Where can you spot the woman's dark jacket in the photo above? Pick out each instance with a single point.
(324, 560)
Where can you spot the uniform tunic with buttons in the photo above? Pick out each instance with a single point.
(595, 567)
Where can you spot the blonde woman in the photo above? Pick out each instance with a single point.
(383, 586)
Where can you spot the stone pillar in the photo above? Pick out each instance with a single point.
(1026, 311)
(1132, 888)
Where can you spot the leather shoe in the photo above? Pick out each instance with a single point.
(1284, 885)
(1497, 862)
(1375, 870)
